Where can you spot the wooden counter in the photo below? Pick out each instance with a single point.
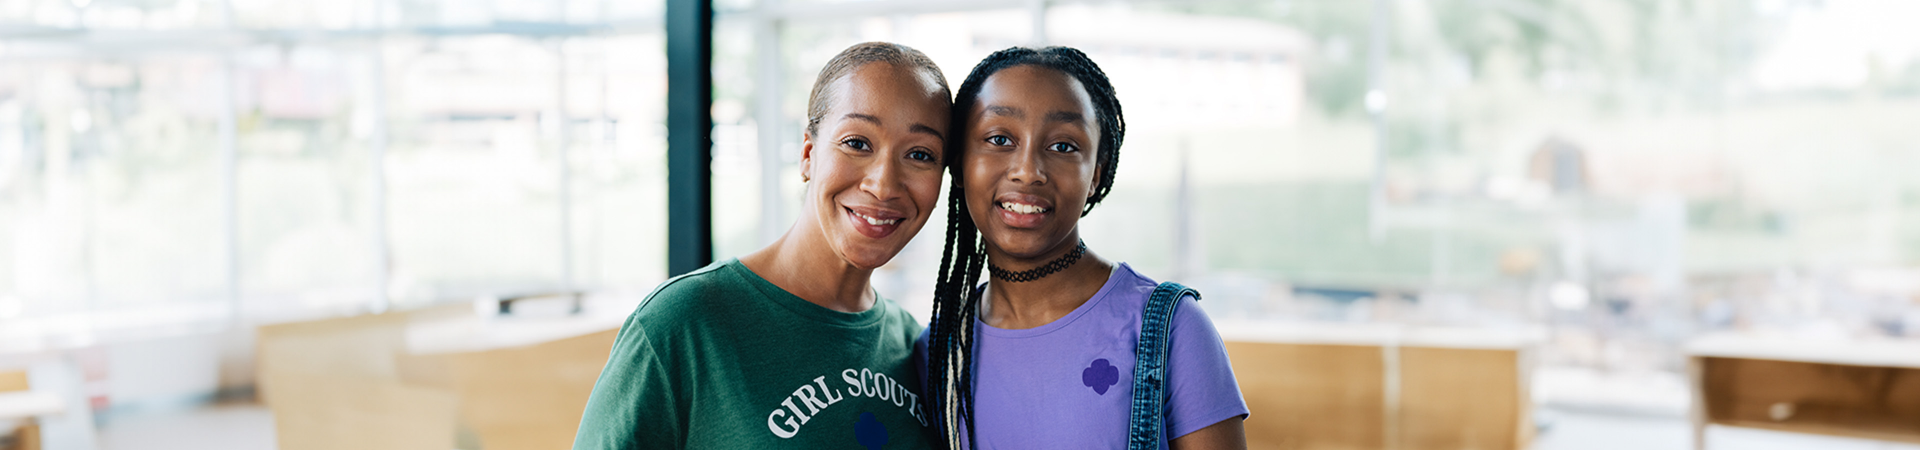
(1865, 390)
(1382, 387)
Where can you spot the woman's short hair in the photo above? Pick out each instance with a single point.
(859, 55)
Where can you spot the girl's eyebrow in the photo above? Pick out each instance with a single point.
(1016, 113)
(1065, 116)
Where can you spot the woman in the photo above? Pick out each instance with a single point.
(1043, 355)
(790, 347)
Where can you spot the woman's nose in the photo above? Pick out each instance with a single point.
(882, 179)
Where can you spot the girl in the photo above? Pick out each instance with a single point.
(1043, 355)
(789, 347)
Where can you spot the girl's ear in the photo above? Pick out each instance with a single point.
(806, 157)
(1095, 185)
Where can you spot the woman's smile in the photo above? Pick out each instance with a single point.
(874, 223)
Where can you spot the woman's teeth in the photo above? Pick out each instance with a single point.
(1022, 208)
(873, 221)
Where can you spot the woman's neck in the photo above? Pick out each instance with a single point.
(1029, 304)
(803, 264)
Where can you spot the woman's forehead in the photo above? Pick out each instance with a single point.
(882, 90)
(881, 77)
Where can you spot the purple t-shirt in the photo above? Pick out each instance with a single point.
(1069, 384)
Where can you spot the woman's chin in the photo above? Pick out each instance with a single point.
(867, 258)
(869, 253)
(871, 263)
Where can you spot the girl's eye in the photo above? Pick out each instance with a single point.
(1063, 147)
(858, 144)
(999, 141)
(921, 155)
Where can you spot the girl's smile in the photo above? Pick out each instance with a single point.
(1022, 210)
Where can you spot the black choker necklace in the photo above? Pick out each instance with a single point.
(1042, 271)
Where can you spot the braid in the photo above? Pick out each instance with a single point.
(1106, 110)
(955, 301)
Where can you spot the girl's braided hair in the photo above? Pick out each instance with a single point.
(955, 301)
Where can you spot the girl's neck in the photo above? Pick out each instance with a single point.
(1029, 304)
(802, 263)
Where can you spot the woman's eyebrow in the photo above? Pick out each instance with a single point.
(1065, 116)
(915, 128)
(920, 128)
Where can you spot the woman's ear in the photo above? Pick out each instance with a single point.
(806, 157)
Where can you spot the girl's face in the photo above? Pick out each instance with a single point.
(1030, 159)
(873, 169)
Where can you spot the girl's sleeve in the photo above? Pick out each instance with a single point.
(1199, 377)
(633, 405)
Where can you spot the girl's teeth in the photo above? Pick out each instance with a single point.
(1022, 208)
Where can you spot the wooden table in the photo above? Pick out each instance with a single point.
(435, 377)
(27, 405)
(1330, 387)
(522, 382)
(1859, 389)
(18, 404)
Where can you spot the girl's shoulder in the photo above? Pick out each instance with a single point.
(1130, 289)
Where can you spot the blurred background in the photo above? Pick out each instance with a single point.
(1459, 224)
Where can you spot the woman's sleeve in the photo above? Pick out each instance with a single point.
(1203, 390)
(633, 405)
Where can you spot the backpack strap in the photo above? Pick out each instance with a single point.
(1144, 430)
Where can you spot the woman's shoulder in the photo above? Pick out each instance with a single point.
(898, 318)
(691, 295)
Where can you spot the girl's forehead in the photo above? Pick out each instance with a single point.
(1031, 86)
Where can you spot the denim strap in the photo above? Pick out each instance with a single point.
(1144, 430)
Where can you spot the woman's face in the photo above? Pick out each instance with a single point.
(873, 167)
(1030, 159)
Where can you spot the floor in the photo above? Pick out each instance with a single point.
(1567, 430)
(250, 427)
(237, 426)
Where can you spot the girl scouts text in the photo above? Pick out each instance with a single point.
(806, 401)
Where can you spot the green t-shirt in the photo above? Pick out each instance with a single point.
(721, 358)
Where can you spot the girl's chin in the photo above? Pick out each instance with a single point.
(1023, 248)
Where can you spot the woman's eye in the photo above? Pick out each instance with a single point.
(921, 155)
(999, 140)
(858, 144)
(1063, 147)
